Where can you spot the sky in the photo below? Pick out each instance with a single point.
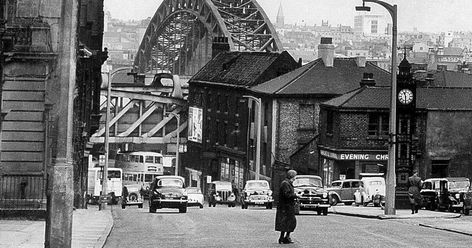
(424, 15)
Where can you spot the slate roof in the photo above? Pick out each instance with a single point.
(237, 68)
(432, 98)
(452, 79)
(315, 78)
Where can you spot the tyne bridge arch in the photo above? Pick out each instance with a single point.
(179, 36)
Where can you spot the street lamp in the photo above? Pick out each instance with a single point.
(110, 76)
(258, 135)
(177, 116)
(391, 181)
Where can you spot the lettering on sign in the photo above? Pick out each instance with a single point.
(354, 156)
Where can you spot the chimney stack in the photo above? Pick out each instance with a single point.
(219, 45)
(367, 79)
(326, 51)
(360, 61)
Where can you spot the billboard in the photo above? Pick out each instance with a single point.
(195, 122)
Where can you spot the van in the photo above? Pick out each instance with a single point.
(218, 192)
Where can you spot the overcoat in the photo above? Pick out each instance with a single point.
(414, 187)
(285, 220)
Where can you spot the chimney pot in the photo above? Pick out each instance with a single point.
(220, 44)
(326, 51)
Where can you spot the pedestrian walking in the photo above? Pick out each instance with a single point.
(285, 221)
(414, 187)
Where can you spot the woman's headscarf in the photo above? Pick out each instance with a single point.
(291, 174)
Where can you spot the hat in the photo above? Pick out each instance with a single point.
(291, 174)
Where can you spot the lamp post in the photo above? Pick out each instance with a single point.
(258, 135)
(391, 178)
(177, 117)
(110, 76)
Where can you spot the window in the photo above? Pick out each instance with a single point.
(329, 122)
(378, 124)
(149, 159)
(373, 26)
(346, 185)
(306, 116)
(356, 184)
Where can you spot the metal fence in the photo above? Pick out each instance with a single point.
(22, 192)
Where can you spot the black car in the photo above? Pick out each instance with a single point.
(449, 193)
(311, 195)
(168, 192)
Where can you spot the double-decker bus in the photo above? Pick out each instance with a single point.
(140, 168)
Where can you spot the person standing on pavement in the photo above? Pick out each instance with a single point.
(414, 187)
(285, 221)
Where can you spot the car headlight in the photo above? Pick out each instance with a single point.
(269, 192)
(325, 194)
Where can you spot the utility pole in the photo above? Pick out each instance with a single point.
(177, 151)
(60, 193)
(391, 178)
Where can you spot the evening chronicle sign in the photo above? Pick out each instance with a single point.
(354, 156)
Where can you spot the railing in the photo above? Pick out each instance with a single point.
(22, 192)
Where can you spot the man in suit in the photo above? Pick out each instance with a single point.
(414, 187)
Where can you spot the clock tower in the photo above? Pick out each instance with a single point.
(406, 123)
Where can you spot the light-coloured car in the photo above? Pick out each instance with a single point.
(374, 190)
(257, 192)
(133, 197)
(195, 196)
(344, 191)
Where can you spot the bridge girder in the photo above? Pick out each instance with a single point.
(178, 37)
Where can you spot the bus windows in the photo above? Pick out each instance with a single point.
(149, 159)
(148, 177)
(114, 174)
(158, 160)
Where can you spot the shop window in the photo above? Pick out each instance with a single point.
(378, 124)
(329, 122)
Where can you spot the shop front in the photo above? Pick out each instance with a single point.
(339, 164)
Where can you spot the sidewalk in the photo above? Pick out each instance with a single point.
(432, 219)
(90, 228)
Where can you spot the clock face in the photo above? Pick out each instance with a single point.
(405, 96)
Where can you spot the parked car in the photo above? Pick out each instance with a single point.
(257, 192)
(133, 196)
(219, 192)
(374, 188)
(195, 196)
(343, 191)
(451, 193)
(311, 194)
(168, 192)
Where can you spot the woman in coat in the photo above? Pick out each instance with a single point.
(414, 187)
(285, 221)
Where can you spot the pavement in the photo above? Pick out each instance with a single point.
(91, 227)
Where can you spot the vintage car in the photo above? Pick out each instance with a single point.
(311, 194)
(374, 188)
(343, 191)
(195, 197)
(257, 192)
(450, 193)
(168, 192)
(219, 192)
(133, 196)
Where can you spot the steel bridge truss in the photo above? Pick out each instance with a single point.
(140, 116)
(178, 38)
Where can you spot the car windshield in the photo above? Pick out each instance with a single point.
(307, 182)
(257, 185)
(336, 184)
(194, 191)
(459, 185)
(170, 182)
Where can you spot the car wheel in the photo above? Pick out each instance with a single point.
(348, 203)
(269, 205)
(466, 211)
(334, 200)
(376, 204)
(318, 211)
(183, 210)
(325, 211)
(201, 205)
(140, 205)
(123, 206)
(152, 208)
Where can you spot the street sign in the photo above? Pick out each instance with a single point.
(208, 179)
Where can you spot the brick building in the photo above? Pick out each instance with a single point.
(354, 133)
(222, 116)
